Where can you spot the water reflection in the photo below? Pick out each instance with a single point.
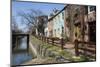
(23, 43)
(18, 56)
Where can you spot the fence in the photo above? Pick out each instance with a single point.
(85, 48)
(81, 47)
(54, 41)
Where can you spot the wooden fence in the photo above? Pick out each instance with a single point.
(81, 47)
(85, 48)
(54, 41)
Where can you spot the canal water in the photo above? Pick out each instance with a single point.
(23, 43)
(21, 57)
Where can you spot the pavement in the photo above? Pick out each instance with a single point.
(70, 48)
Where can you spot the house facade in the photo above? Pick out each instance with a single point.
(41, 24)
(68, 23)
(80, 23)
(73, 22)
(92, 23)
(56, 24)
(50, 28)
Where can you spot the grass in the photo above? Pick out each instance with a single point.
(58, 51)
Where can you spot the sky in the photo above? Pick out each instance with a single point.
(46, 8)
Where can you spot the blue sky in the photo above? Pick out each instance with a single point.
(46, 8)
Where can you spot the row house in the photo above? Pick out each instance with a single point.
(50, 27)
(68, 22)
(56, 24)
(73, 22)
(92, 23)
(80, 20)
(41, 24)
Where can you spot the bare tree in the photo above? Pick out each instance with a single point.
(32, 19)
(14, 26)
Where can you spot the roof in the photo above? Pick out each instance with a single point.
(57, 13)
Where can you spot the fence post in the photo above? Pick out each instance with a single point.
(28, 38)
(76, 48)
(42, 38)
(62, 43)
(47, 39)
(52, 41)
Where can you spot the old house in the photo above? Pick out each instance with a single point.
(73, 22)
(80, 20)
(92, 23)
(50, 27)
(57, 24)
(41, 24)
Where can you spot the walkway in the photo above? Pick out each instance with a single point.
(70, 48)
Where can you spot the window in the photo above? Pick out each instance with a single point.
(62, 15)
(59, 18)
(92, 8)
(58, 29)
(92, 31)
(62, 29)
(55, 32)
(86, 10)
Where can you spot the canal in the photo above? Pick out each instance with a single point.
(37, 55)
(21, 56)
